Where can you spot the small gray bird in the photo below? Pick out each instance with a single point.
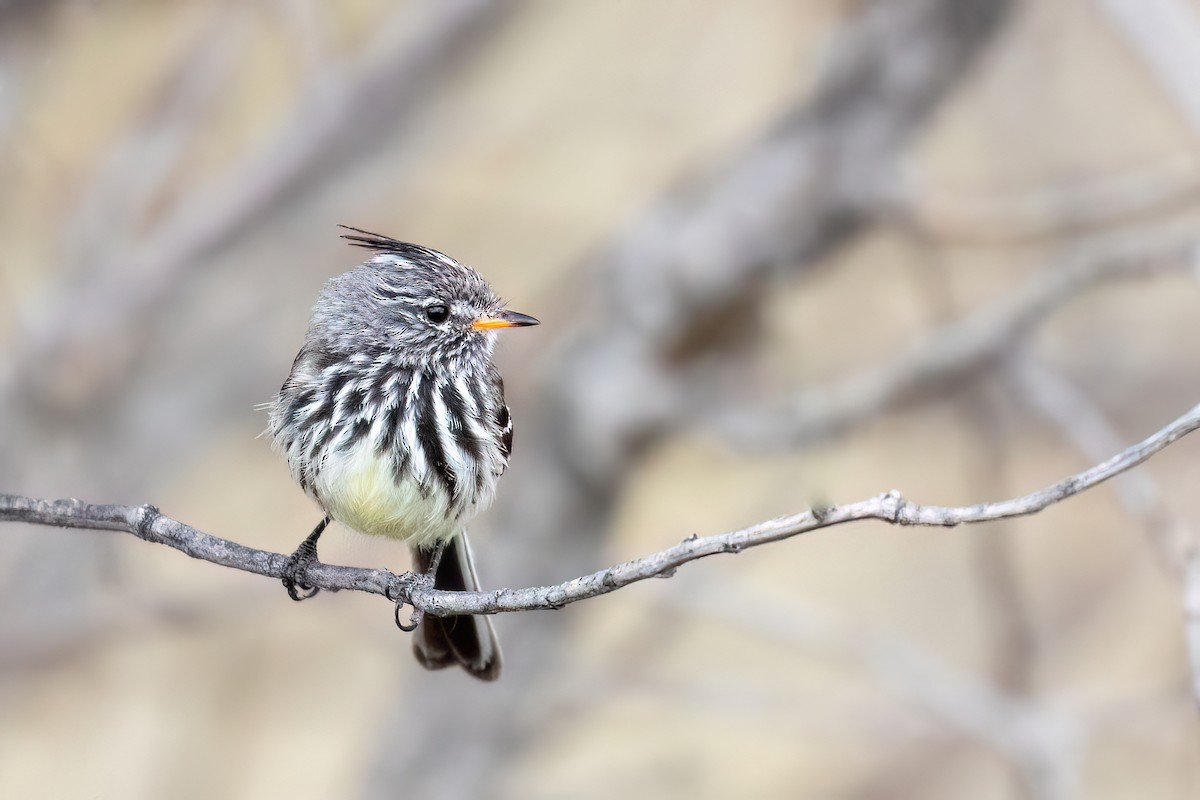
(393, 419)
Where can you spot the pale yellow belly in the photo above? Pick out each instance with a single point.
(358, 489)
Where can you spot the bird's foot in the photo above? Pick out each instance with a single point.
(414, 620)
(423, 581)
(294, 571)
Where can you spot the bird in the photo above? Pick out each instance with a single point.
(393, 419)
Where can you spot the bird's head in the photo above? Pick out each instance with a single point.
(422, 307)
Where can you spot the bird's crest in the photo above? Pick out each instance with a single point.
(386, 244)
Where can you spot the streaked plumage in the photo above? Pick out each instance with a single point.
(393, 417)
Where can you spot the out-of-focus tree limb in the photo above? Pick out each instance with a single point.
(1166, 34)
(954, 351)
(1042, 743)
(1191, 611)
(1052, 212)
(149, 524)
(134, 170)
(1086, 426)
(63, 629)
(395, 67)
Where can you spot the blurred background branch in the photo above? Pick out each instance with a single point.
(1166, 35)
(958, 350)
(396, 69)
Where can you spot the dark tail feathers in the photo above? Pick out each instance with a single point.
(469, 642)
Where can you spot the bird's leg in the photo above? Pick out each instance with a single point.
(297, 565)
(438, 551)
(428, 578)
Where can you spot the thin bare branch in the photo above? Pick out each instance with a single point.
(147, 523)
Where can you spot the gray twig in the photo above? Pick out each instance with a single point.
(147, 523)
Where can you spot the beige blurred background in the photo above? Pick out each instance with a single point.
(713, 207)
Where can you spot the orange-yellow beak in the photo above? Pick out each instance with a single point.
(504, 319)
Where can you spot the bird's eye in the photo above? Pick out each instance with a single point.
(438, 312)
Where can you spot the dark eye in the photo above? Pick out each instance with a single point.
(438, 312)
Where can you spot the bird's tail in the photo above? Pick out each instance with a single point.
(469, 642)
